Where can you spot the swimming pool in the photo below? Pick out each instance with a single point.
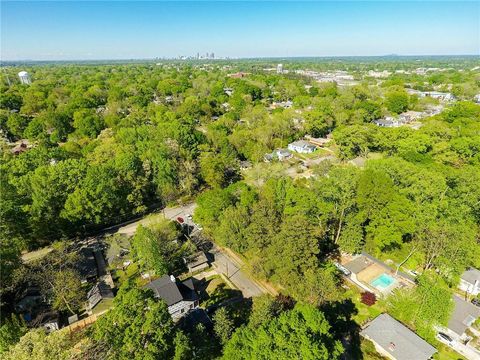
(383, 281)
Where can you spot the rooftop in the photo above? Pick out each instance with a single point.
(471, 275)
(397, 340)
(463, 316)
(171, 291)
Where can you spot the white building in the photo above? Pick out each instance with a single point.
(24, 77)
(302, 146)
(470, 282)
(279, 68)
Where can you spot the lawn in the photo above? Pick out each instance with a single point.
(217, 291)
(365, 312)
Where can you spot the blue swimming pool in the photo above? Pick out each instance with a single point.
(383, 281)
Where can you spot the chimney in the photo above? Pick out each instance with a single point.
(172, 278)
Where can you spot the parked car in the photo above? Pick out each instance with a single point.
(476, 302)
(444, 338)
(180, 220)
(189, 216)
(342, 268)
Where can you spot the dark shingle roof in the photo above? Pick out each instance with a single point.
(100, 291)
(396, 339)
(172, 291)
(464, 314)
(166, 289)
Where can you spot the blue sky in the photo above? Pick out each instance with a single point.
(133, 29)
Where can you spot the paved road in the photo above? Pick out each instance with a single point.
(223, 263)
(232, 270)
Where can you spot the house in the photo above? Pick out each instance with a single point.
(245, 164)
(463, 316)
(477, 98)
(180, 297)
(470, 281)
(100, 297)
(388, 122)
(395, 341)
(283, 154)
(302, 147)
(197, 262)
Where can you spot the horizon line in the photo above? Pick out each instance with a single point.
(240, 58)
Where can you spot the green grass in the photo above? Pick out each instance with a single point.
(365, 312)
(218, 291)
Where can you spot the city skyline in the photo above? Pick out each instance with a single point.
(147, 30)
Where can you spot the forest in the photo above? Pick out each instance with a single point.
(108, 143)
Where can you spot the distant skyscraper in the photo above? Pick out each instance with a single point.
(198, 55)
(24, 77)
(213, 55)
(279, 68)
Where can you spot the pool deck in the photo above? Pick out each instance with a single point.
(365, 269)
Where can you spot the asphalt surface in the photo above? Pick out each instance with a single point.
(232, 270)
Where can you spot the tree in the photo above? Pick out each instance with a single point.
(57, 276)
(137, 327)
(223, 325)
(397, 101)
(11, 331)
(368, 298)
(183, 348)
(156, 247)
(37, 344)
(423, 307)
(301, 333)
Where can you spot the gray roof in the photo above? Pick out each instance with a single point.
(471, 275)
(99, 292)
(358, 264)
(166, 289)
(397, 340)
(302, 144)
(172, 291)
(196, 259)
(464, 314)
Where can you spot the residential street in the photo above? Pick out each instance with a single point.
(223, 263)
(226, 265)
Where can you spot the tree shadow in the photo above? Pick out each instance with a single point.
(340, 316)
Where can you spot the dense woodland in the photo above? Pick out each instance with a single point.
(112, 142)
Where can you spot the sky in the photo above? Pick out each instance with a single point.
(83, 30)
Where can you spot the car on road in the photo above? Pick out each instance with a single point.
(476, 302)
(342, 268)
(444, 338)
(180, 220)
(189, 216)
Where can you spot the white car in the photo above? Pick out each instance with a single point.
(342, 268)
(189, 216)
(444, 338)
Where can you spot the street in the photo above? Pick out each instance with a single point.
(228, 267)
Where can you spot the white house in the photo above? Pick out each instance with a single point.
(302, 146)
(470, 281)
(180, 297)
